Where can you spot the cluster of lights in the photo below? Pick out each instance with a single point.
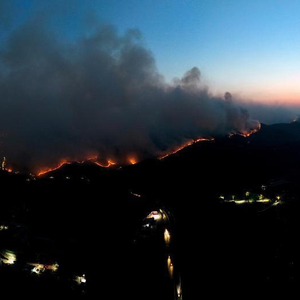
(41, 268)
(261, 199)
(3, 227)
(154, 215)
(80, 279)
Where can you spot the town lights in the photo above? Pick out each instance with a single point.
(38, 269)
(3, 227)
(80, 279)
(155, 215)
(53, 267)
(8, 257)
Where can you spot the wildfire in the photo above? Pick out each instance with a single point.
(132, 160)
(45, 171)
(109, 164)
(187, 144)
(65, 162)
(247, 134)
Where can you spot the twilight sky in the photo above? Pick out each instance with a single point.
(250, 48)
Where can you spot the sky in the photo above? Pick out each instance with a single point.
(136, 79)
(250, 48)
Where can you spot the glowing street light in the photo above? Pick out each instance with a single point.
(167, 237)
(179, 290)
(171, 270)
(169, 261)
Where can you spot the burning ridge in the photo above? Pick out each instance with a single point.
(100, 94)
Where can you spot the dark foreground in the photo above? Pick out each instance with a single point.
(157, 230)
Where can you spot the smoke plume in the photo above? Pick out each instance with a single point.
(99, 94)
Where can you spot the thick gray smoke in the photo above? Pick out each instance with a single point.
(100, 94)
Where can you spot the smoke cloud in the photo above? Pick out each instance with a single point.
(99, 94)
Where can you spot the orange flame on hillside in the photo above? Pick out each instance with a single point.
(187, 144)
(109, 164)
(45, 171)
(246, 134)
(93, 159)
(132, 160)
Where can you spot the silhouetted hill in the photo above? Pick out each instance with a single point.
(277, 134)
(224, 164)
(92, 215)
(77, 171)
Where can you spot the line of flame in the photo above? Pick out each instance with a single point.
(187, 144)
(133, 160)
(65, 162)
(109, 164)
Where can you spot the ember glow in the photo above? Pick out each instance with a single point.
(132, 160)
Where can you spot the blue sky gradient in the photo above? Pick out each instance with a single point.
(250, 48)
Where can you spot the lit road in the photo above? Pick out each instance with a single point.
(159, 223)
